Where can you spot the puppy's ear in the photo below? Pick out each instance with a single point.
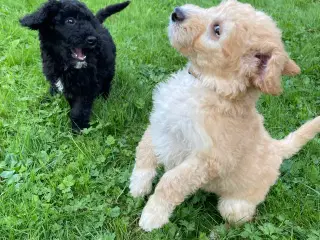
(291, 69)
(42, 16)
(269, 69)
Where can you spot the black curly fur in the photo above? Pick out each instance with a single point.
(77, 51)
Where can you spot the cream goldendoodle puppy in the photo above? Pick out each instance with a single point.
(204, 127)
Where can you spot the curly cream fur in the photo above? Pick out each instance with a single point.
(205, 128)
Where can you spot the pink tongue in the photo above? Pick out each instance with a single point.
(79, 53)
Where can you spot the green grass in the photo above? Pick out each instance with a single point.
(54, 185)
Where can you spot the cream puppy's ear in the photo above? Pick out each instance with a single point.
(269, 69)
(291, 69)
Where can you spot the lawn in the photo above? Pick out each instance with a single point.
(55, 185)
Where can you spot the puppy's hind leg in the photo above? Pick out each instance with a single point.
(107, 80)
(145, 167)
(236, 211)
(106, 89)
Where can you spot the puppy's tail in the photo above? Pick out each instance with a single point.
(291, 144)
(104, 13)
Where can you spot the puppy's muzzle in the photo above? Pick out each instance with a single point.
(178, 15)
(91, 41)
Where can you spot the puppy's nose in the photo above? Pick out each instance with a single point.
(177, 15)
(91, 40)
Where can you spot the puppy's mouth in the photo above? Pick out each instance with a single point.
(78, 54)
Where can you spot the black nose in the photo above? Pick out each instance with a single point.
(178, 15)
(91, 40)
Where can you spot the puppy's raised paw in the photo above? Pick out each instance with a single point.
(151, 220)
(141, 182)
(155, 214)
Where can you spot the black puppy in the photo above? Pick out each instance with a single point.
(78, 53)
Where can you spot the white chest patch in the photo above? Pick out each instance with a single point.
(80, 65)
(176, 120)
(59, 85)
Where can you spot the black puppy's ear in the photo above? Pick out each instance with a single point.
(42, 16)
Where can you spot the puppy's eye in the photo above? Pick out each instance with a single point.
(70, 21)
(216, 29)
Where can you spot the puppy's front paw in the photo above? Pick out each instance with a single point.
(155, 214)
(77, 127)
(53, 91)
(141, 182)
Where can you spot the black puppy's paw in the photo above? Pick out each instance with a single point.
(76, 131)
(77, 127)
(53, 91)
(105, 95)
